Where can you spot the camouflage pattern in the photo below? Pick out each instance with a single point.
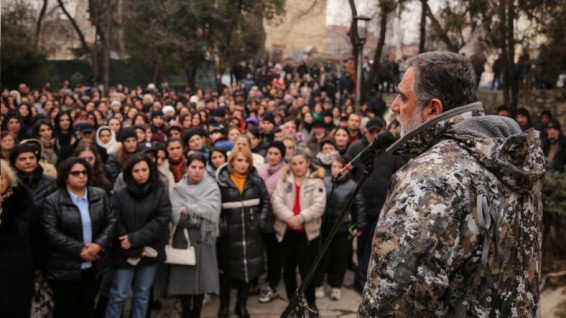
(460, 231)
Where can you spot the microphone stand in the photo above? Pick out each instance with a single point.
(296, 304)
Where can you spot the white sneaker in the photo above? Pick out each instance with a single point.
(319, 292)
(267, 295)
(335, 293)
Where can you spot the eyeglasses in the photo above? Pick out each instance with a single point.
(78, 173)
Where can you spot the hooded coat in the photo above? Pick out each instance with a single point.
(240, 245)
(460, 231)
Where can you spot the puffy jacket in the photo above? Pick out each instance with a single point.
(460, 231)
(313, 201)
(38, 184)
(342, 193)
(61, 223)
(270, 175)
(145, 220)
(240, 245)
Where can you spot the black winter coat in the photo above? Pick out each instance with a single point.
(240, 245)
(18, 233)
(144, 217)
(342, 193)
(559, 160)
(62, 225)
(38, 184)
(376, 187)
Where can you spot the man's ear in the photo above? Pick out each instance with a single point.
(433, 109)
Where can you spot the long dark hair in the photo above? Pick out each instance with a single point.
(217, 149)
(99, 178)
(153, 182)
(57, 129)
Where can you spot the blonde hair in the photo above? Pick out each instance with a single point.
(235, 152)
(7, 172)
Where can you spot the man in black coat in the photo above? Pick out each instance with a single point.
(374, 192)
(554, 146)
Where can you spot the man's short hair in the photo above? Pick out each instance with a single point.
(446, 76)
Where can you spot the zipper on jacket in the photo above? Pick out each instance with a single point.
(243, 214)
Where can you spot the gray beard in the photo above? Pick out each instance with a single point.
(414, 121)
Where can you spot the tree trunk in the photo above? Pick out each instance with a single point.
(80, 34)
(39, 21)
(504, 53)
(422, 30)
(513, 81)
(367, 88)
(442, 34)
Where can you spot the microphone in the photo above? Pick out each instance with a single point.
(381, 141)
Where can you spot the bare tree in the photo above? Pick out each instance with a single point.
(39, 21)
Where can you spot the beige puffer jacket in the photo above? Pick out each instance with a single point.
(313, 201)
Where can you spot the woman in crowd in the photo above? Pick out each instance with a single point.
(100, 175)
(256, 144)
(79, 225)
(65, 135)
(217, 158)
(196, 209)
(116, 125)
(17, 236)
(176, 159)
(270, 173)
(7, 143)
(106, 138)
(335, 260)
(341, 140)
(163, 165)
(245, 204)
(195, 142)
(13, 124)
(125, 151)
(144, 211)
(43, 131)
(244, 141)
(326, 155)
(298, 202)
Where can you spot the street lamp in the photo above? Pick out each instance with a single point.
(362, 30)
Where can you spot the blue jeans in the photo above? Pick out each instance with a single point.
(123, 277)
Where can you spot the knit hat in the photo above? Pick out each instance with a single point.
(269, 117)
(554, 123)
(327, 141)
(126, 133)
(20, 149)
(279, 145)
(157, 113)
(192, 132)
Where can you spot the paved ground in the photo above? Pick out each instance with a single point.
(346, 307)
(552, 305)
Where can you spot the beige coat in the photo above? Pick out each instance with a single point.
(313, 202)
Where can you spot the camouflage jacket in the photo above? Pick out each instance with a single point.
(460, 232)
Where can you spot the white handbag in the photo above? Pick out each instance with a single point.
(180, 256)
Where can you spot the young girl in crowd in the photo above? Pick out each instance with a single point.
(298, 202)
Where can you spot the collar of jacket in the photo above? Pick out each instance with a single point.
(425, 135)
(65, 197)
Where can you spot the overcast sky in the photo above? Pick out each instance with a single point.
(338, 13)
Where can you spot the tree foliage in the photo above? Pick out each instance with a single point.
(22, 60)
(177, 36)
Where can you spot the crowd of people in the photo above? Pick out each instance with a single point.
(94, 185)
